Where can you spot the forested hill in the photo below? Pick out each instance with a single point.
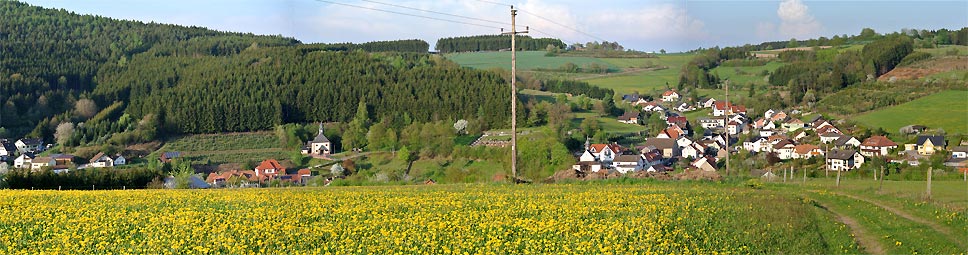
(51, 59)
(494, 43)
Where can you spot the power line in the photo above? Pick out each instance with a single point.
(410, 14)
(441, 13)
(494, 3)
(562, 25)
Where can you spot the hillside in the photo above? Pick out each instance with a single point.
(947, 110)
(195, 80)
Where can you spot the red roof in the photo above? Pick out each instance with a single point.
(270, 164)
(878, 141)
(677, 119)
(805, 148)
(669, 93)
(598, 147)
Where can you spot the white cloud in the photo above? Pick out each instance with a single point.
(796, 21)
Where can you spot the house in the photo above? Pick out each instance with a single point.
(959, 157)
(929, 144)
(605, 152)
(829, 137)
(806, 151)
(820, 123)
(120, 160)
(708, 103)
(629, 118)
(720, 109)
(587, 156)
(627, 163)
(793, 125)
(673, 132)
(705, 164)
(694, 150)
(684, 141)
(100, 160)
(755, 144)
(319, 146)
(877, 146)
(713, 123)
(734, 128)
(912, 129)
(653, 107)
(23, 161)
(631, 97)
(651, 158)
(685, 107)
(63, 159)
(166, 157)
(799, 136)
(846, 142)
(31, 145)
(270, 168)
(911, 157)
(670, 96)
(41, 162)
(778, 116)
(784, 149)
(681, 121)
(768, 114)
(844, 160)
(7, 150)
(665, 145)
(760, 123)
(641, 101)
(587, 166)
(828, 129)
(657, 169)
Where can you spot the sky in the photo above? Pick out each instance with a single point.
(646, 25)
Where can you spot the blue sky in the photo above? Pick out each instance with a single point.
(647, 25)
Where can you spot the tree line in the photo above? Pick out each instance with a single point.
(494, 43)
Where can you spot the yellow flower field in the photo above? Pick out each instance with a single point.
(441, 219)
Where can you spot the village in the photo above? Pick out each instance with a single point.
(777, 135)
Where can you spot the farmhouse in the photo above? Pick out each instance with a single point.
(876, 146)
(627, 163)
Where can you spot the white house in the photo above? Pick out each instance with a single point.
(685, 107)
(844, 160)
(705, 164)
(684, 141)
(605, 152)
(768, 114)
(31, 145)
(829, 137)
(627, 163)
(7, 150)
(707, 123)
(120, 160)
(877, 146)
(587, 166)
(806, 151)
(23, 161)
(734, 128)
(784, 149)
(694, 150)
(800, 136)
(756, 144)
(708, 103)
(653, 107)
(101, 160)
(587, 157)
(40, 162)
(670, 96)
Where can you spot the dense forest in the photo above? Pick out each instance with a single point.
(494, 43)
(57, 67)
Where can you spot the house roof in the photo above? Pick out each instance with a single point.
(598, 147)
(795, 121)
(878, 141)
(8, 146)
(62, 156)
(629, 116)
(669, 93)
(269, 164)
(677, 119)
(830, 134)
(320, 138)
(42, 159)
(937, 140)
(97, 157)
(32, 141)
(627, 158)
(781, 144)
(828, 129)
(805, 148)
(843, 140)
(959, 149)
(841, 154)
(661, 143)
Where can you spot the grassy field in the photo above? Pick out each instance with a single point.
(741, 77)
(226, 148)
(646, 82)
(942, 51)
(527, 60)
(947, 110)
(439, 219)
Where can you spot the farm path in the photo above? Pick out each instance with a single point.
(866, 241)
(934, 225)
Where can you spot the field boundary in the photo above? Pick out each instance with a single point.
(934, 225)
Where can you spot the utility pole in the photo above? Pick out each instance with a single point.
(728, 110)
(514, 95)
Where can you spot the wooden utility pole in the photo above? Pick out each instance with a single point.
(728, 109)
(514, 96)
(881, 186)
(838, 177)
